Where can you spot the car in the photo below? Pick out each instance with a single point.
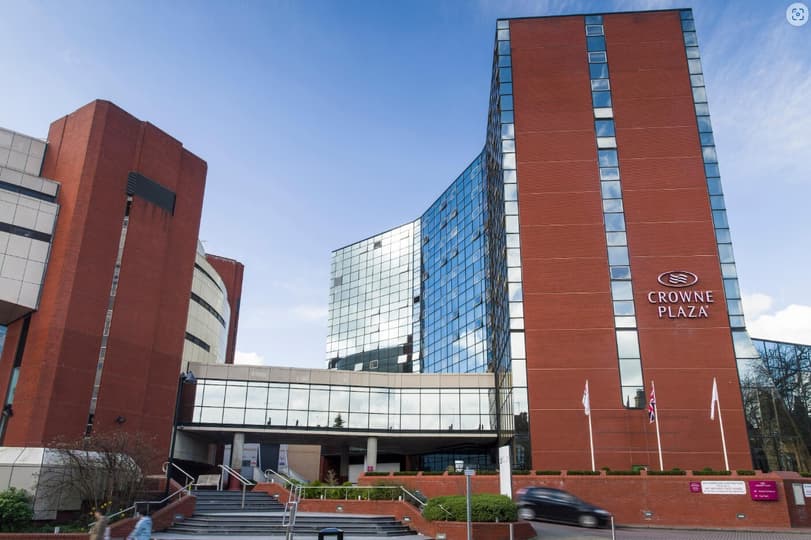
(550, 504)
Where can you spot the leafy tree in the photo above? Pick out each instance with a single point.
(15, 509)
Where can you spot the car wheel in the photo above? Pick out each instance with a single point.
(587, 520)
(526, 513)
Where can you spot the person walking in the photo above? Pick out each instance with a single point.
(143, 529)
(97, 531)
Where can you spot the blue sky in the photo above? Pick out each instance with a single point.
(325, 122)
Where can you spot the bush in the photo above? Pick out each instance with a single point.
(483, 507)
(583, 473)
(520, 472)
(377, 473)
(547, 473)
(672, 472)
(746, 472)
(405, 473)
(15, 509)
(623, 473)
(384, 492)
(709, 472)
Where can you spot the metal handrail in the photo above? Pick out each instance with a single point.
(286, 480)
(244, 481)
(417, 499)
(167, 464)
(135, 505)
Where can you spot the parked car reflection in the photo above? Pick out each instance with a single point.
(550, 504)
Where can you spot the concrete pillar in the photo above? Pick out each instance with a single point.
(236, 451)
(371, 454)
(343, 468)
(212, 454)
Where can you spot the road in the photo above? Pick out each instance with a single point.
(568, 532)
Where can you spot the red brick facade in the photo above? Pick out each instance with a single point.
(566, 289)
(91, 152)
(231, 272)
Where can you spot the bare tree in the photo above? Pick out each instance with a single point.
(106, 470)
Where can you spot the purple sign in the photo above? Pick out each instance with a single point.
(763, 490)
(695, 487)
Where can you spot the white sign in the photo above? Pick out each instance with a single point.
(807, 490)
(505, 480)
(723, 487)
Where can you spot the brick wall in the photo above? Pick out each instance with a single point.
(668, 498)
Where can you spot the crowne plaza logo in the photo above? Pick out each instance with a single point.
(677, 278)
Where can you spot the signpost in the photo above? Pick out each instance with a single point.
(468, 474)
(763, 490)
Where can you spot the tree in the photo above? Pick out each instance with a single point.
(15, 509)
(104, 469)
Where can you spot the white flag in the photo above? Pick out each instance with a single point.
(586, 402)
(714, 402)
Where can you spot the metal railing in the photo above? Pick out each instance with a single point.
(293, 499)
(165, 469)
(244, 481)
(141, 504)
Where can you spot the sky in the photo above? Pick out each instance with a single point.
(324, 122)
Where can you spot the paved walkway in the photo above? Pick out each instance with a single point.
(560, 532)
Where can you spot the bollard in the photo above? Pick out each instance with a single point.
(331, 531)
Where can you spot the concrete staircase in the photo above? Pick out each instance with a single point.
(219, 513)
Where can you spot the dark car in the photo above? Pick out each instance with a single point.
(550, 504)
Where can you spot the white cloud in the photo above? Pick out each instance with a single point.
(791, 323)
(249, 358)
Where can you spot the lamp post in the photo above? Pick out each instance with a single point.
(186, 377)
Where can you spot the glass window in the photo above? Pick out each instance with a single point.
(299, 397)
(709, 154)
(690, 39)
(621, 290)
(597, 57)
(410, 402)
(359, 400)
(700, 94)
(624, 307)
(595, 43)
(594, 19)
(612, 205)
(627, 343)
(600, 84)
(339, 399)
(731, 289)
(604, 112)
(214, 394)
(711, 169)
(688, 26)
(620, 272)
(608, 158)
(594, 29)
(449, 401)
(631, 372)
(610, 190)
(517, 349)
(257, 396)
(618, 256)
(719, 217)
(728, 270)
(616, 239)
(694, 66)
(725, 253)
(717, 202)
(722, 236)
(633, 397)
(604, 128)
(609, 173)
(614, 222)
(707, 139)
(697, 80)
(378, 402)
(601, 99)
(598, 71)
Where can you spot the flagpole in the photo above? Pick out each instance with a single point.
(721, 424)
(587, 410)
(591, 444)
(656, 418)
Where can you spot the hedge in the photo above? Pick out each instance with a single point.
(483, 507)
(622, 473)
(547, 473)
(746, 472)
(583, 473)
(710, 472)
(672, 472)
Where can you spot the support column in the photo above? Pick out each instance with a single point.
(237, 446)
(371, 454)
(343, 468)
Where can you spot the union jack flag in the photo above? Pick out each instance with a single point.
(652, 405)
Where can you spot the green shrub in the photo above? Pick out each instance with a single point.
(377, 473)
(583, 473)
(623, 473)
(746, 472)
(520, 472)
(483, 507)
(550, 472)
(384, 492)
(405, 473)
(672, 472)
(433, 473)
(709, 472)
(805, 474)
(15, 509)
(487, 473)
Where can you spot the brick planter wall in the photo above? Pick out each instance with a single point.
(668, 498)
